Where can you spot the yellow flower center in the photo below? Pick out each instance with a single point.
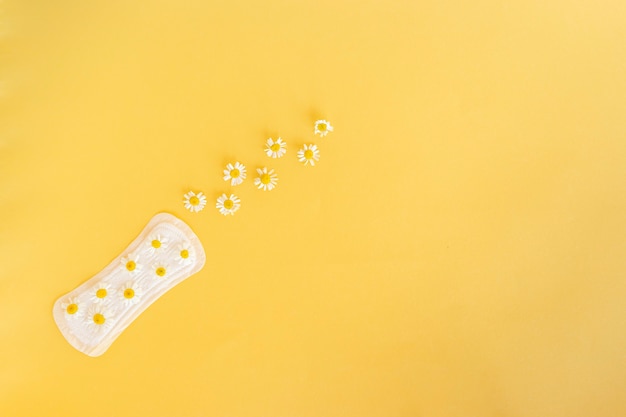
(131, 265)
(99, 319)
(275, 147)
(160, 271)
(234, 173)
(266, 179)
(228, 204)
(129, 293)
(321, 127)
(72, 309)
(308, 154)
(101, 293)
(184, 254)
(156, 244)
(194, 201)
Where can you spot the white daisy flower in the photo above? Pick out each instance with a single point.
(131, 293)
(266, 180)
(309, 154)
(98, 318)
(275, 148)
(100, 293)
(160, 270)
(72, 308)
(185, 254)
(156, 242)
(322, 128)
(228, 204)
(235, 174)
(131, 263)
(194, 202)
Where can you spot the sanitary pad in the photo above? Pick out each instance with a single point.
(93, 315)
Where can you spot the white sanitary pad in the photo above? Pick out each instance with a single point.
(165, 253)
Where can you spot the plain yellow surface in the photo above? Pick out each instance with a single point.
(460, 250)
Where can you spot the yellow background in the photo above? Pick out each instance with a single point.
(458, 251)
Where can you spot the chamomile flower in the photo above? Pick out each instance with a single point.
(156, 243)
(194, 202)
(72, 308)
(98, 318)
(322, 128)
(235, 174)
(275, 148)
(130, 293)
(266, 180)
(228, 204)
(100, 293)
(309, 154)
(185, 254)
(160, 270)
(131, 264)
